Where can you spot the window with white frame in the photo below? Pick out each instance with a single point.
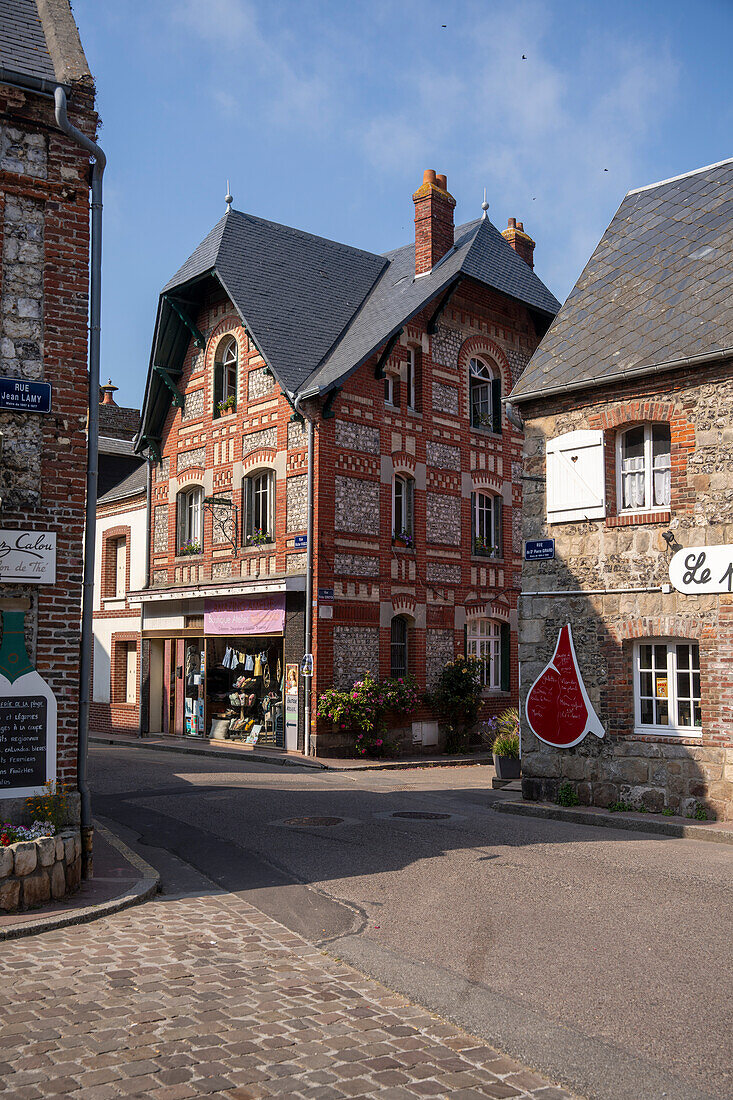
(486, 535)
(189, 520)
(644, 465)
(667, 687)
(403, 509)
(259, 508)
(484, 395)
(225, 375)
(398, 648)
(483, 642)
(410, 380)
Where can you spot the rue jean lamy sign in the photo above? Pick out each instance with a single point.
(28, 557)
(702, 569)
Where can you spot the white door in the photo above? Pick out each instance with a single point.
(131, 693)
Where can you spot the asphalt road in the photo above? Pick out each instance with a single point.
(600, 958)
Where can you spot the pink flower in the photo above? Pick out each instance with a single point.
(379, 740)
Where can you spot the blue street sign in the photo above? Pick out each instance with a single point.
(539, 549)
(325, 595)
(18, 395)
(300, 542)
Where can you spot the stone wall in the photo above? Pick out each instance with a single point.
(438, 651)
(356, 565)
(357, 437)
(259, 384)
(446, 345)
(656, 770)
(443, 518)
(160, 528)
(355, 651)
(195, 457)
(445, 398)
(441, 456)
(357, 505)
(35, 871)
(267, 437)
(297, 436)
(297, 502)
(443, 572)
(193, 404)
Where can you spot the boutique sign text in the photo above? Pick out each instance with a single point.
(28, 557)
(702, 569)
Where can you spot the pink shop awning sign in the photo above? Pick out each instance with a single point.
(240, 617)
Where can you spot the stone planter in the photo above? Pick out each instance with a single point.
(33, 872)
(507, 767)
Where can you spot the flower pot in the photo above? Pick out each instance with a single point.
(226, 412)
(507, 767)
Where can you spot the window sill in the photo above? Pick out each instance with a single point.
(669, 737)
(484, 559)
(637, 519)
(403, 549)
(480, 430)
(183, 558)
(259, 548)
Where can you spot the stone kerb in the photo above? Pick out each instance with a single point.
(35, 871)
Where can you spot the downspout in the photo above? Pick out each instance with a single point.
(145, 664)
(87, 606)
(308, 568)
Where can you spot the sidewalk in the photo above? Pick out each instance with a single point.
(120, 879)
(232, 750)
(205, 995)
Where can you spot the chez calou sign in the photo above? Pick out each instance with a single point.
(702, 569)
(28, 557)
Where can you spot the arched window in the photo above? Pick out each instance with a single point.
(189, 520)
(486, 532)
(398, 648)
(644, 464)
(485, 396)
(403, 510)
(259, 508)
(225, 375)
(488, 642)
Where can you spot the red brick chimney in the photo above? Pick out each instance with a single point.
(433, 221)
(108, 393)
(520, 241)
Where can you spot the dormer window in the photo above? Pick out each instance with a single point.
(644, 468)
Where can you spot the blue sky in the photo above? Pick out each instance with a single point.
(323, 115)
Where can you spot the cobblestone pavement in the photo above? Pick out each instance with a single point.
(206, 995)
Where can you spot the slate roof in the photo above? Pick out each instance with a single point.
(658, 289)
(23, 47)
(110, 445)
(130, 486)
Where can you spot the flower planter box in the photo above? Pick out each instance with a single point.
(507, 767)
(33, 872)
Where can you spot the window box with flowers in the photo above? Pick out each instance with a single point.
(226, 407)
(404, 539)
(258, 537)
(189, 548)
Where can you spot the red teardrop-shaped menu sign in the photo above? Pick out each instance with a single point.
(558, 709)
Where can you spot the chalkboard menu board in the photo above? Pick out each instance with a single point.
(23, 739)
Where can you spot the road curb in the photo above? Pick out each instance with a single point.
(146, 887)
(639, 823)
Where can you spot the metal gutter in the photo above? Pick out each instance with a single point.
(665, 588)
(27, 83)
(632, 372)
(297, 402)
(87, 608)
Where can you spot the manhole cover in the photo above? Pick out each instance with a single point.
(314, 821)
(416, 815)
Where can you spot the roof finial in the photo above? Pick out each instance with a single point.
(228, 198)
(484, 206)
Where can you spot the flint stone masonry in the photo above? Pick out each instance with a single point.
(267, 437)
(445, 399)
(443, 572)
(194, 457)
(193, 404)
(295, 563)
(22, 153)
(297, 502)
(34, 871)
(446, 346)
(221, 569)
(357, 437)
(356, 565)
(439, 651)
(160, 528)
(259, 384)
(443, 515)
(357, 505)
(160, 578)
(297, 436)
(162, 470)
(355, 652)
(441, 456)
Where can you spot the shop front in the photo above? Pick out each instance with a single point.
(218, 668)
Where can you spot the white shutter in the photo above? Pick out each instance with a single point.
(576, 481)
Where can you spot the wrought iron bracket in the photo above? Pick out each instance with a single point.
(435, 316)
(388, 349)
(228, 522)
(327, 412)
(165, 377)
(198, 337)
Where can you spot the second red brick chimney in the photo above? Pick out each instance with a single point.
(520, 241)
(433, 221)
(107, 394)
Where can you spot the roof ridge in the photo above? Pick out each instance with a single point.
(304, 233)
(682, 176)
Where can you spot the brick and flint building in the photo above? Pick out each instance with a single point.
(628, 411)
(401, 362)
(44, 296)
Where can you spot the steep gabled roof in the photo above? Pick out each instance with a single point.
(657, 291)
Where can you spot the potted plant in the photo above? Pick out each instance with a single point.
(258, 537)
(403, 538)
(190, 546)
(506, 745)
(226, 407)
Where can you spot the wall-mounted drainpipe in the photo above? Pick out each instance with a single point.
(308, 569)
(87, 606)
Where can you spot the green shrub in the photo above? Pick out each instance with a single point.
(507, 744)
(699, 813)
(363, 709)
(567, 795)
(457, 700)
(52, 805)
(621, 807)
(668, 811)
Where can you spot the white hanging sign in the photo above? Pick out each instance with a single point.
(28, 557)
(702, 569)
